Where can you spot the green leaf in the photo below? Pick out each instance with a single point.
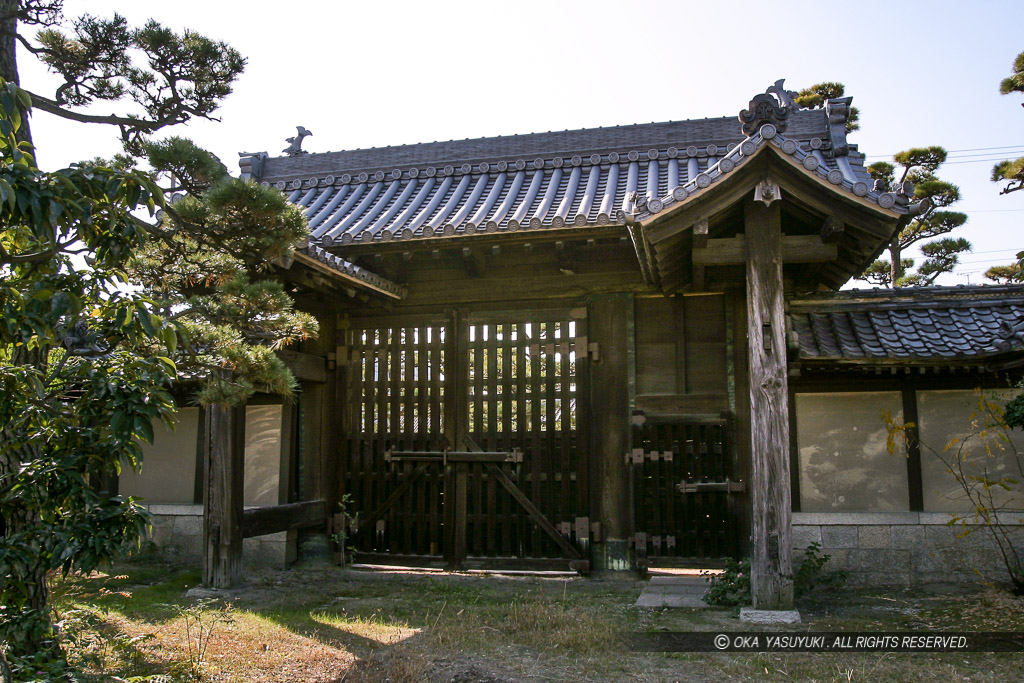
(144, 429)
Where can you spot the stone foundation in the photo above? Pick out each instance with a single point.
(178, 534)
(902, 548)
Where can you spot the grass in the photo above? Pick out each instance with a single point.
(330, 624)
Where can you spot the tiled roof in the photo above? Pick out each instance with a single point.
(933, 325)
(541, 181)
(346, 270)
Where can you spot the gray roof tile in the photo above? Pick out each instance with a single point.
(927, 324)
(541, 181)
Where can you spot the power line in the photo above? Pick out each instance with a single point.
(991, 210)
(975, 161)
(954, 151)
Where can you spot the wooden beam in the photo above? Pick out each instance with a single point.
(732, 251)
(276, 518)
(771, 538)
(727, 251)
(306, 367)
(682, 404)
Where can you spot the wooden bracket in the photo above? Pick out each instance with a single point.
(582, 528)
(588, 348)
(332, 360)
(832, 229)
(473, 261)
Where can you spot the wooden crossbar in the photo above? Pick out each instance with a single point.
(535, 514)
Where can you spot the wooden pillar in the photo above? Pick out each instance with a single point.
(771, 538)
(224, 455)
(610, 325)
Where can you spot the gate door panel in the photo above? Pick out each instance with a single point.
(463, 439)
(523, 377)
(396, 401)
(683, 490)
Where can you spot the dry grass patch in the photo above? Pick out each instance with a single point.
(329, 624)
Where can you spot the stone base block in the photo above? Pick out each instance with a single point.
(769, 616)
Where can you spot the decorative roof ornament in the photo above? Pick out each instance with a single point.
(294, 149)
(637, 201)
(765, 108)
(767, 191)
(251, 164)
(838, 111)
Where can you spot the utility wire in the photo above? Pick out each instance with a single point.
(954, 151)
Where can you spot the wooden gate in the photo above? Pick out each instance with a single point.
(464, 444)
(683, 492)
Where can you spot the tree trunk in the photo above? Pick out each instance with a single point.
(9, 59)
(771, 562)
(895, 263)
(224, 459)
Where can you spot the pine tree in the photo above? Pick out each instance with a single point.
(917, 167)
(1012, 173)
(210, 275)
(79, 357)
(815, 97)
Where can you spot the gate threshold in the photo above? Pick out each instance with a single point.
(397, 569)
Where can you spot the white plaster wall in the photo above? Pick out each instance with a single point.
(168, 464)
(954, 430)
(844, 463)
(262, 454)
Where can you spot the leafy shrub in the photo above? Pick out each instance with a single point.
(811, 574)
(731, 588)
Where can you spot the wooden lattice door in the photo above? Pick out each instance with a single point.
(397, 381)
(526, 393)
(465, 439)
(684, 491)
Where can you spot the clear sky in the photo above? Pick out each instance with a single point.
(365, 74)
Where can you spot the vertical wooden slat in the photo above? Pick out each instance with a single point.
(522, 341)
(538, 486)
(383, 424)
(581, 432)
(493, 432)
(564, 400)
(437, 436)
(461, 520)
(552, 505)
(692, 501)
(507, 382)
